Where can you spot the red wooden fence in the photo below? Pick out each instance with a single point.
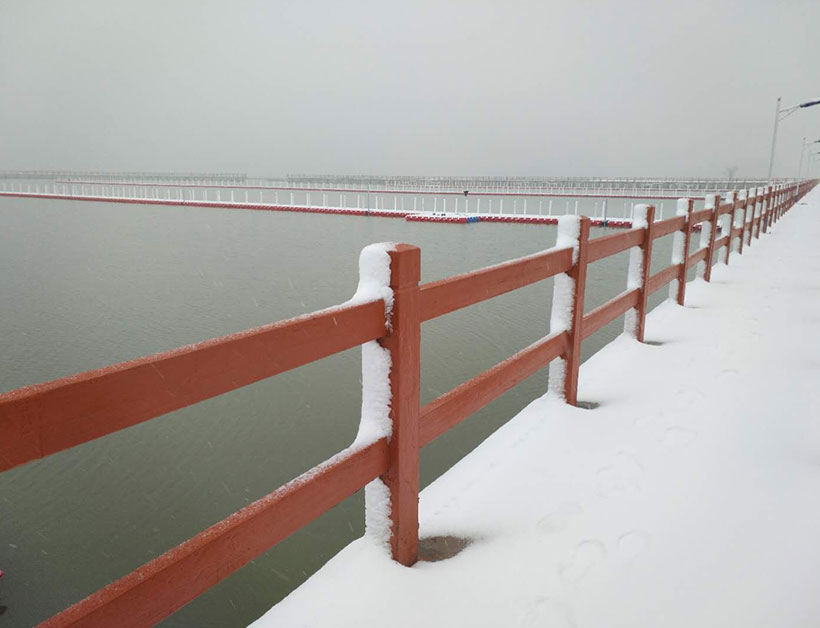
(46, 418)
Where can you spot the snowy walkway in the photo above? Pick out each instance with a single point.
(690, 497)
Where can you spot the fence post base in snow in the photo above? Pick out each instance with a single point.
(403, 342)
(646, 261)
(687, 237)
(578, 276)
(732, 215)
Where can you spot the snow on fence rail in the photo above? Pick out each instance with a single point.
(40, 420)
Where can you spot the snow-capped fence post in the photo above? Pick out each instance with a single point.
(404, 342)
(764, 204)
(729, 223)
(758, 218)
(740, 216)
(772, 205)
(751, 203)
(568, 307)
(711, 226)
(640, 260)
(767, 209)
(680, 249)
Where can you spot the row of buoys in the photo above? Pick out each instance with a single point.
(438, 218)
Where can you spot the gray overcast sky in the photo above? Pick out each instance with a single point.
(542, 88)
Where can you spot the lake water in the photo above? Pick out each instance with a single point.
(84, 285)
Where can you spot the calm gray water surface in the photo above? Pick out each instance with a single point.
(88, 284)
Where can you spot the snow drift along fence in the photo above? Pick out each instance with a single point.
(46, 418)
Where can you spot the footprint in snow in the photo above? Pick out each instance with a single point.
(633, 544)
(675, 437)
(557, 520)
(548, 613)
(587, 557)
(623, 477)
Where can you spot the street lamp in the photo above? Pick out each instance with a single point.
(803, 148)
(782, 114)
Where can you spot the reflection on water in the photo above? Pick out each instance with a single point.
(89, 284)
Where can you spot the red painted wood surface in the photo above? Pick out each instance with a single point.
(46, 418)
(687, 238)
(662, 278)
(578, 274)
(700, 216)
(698, 256)
(404, 344)
(609, 311)
(645, 266)
(451, 408)
(157, 589)
(599, 248)
(441, 297)
(665, 227)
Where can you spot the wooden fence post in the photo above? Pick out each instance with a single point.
(578, 274)
(687, 237)
(767, 208)
(640, 260)
(730, 219)
(403, 342)
(757, 223)
(744, 215)
(713, 222)
(751, 203)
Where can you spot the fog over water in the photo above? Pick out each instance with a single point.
(549, 88)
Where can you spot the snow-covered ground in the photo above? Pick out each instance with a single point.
(689, 497)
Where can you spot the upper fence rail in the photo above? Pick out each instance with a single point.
(46, 418)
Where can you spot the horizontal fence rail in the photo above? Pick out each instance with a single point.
(46, 418)
(43, 419)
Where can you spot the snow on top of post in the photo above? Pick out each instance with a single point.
(682, 207)
(635, 268)
(569, 230)
(374, 276)
(374, 284)
(639, 221)
(710, 201)
(563, 292)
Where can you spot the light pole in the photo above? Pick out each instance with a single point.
(782, 114)
(803, 148)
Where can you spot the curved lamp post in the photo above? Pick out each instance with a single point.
(782, 114)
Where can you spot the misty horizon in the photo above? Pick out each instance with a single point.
(477, 89)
